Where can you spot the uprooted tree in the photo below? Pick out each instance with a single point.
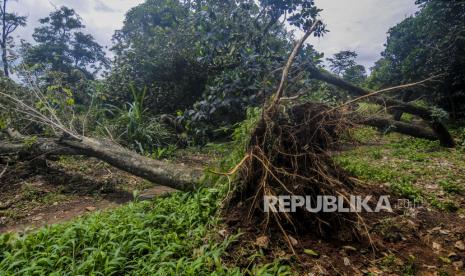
(287, 152)
(68, 142)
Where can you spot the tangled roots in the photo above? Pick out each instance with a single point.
(288, 155)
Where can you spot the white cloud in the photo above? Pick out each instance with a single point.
(358, 25)
(101, 17)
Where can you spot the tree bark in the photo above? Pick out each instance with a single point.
(439, 129)
(176, 176)
(3, 41)
(5, 61)
(397, 115)
(397, 126)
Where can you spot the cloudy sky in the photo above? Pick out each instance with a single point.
(358, 25)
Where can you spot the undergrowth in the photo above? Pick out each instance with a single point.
(175, 235)
(167, 236)
(172, 235)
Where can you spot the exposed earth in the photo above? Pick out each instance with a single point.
(47, 192)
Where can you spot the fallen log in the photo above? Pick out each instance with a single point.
(398, 126)
(176, 176)
(439, 129)
(406, 95)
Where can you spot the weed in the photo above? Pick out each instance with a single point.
(409, 267)
(163, 152)
(451, 187)
(444, 205)
(407, 190)
(31, 193)
(141, 238)
(376, 154)
(402, 165)
(364, 135)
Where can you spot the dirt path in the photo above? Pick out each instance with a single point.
(35, 195)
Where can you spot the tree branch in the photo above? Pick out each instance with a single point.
(427, 115)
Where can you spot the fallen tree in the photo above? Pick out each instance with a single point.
(385, 124)
(287, 155)
(176, 176)
(427, 115)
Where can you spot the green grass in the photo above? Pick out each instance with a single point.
(407, 164)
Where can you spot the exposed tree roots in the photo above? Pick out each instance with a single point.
(288, 155)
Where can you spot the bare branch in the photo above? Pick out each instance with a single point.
(290, 61)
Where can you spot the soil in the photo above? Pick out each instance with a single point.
(40, 193)
(415, 240)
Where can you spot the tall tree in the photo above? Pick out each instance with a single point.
(344, 65)
(432, 42)
(10, 22)
(342, 61)
(62, 47)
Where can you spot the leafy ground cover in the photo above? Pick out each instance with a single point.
(167, 236)
(415, 169)
(183, 233)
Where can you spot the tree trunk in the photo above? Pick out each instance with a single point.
(4, 41)
(176, 176)
(397, 115)
(397, 126)
(5, 61)
(439, 129)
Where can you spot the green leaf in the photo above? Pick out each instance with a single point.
(311, 252)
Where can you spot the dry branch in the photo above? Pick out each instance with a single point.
(290, 61)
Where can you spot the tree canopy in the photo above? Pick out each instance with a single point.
(61, 46)
(217, 55)
(432, 42)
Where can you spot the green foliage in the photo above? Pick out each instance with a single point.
(137, 129)
(407, 164)
(30, 140)
(159, 237)
(460, 137)
(166, 152)
(216, 54)
(8, 113)
(344, 65)
(342, 61)
(451, 187)
(62, 48)
(241, 138)
(271, 269)
(418, 150)
(430, 43)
